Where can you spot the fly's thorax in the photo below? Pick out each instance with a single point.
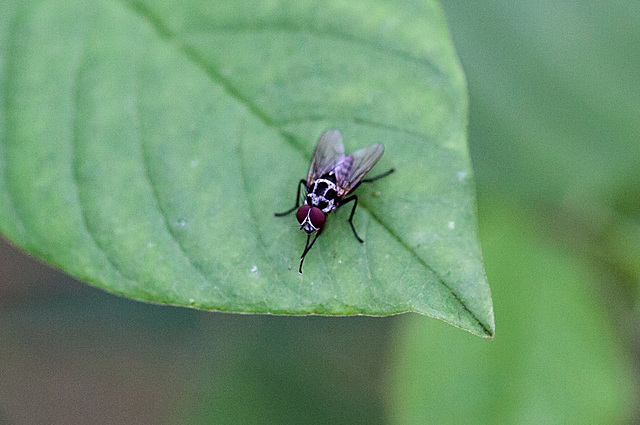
(323, 193)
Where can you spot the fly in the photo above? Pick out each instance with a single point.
(332, 177)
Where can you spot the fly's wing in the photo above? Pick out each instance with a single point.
(361, 162)
(327, 153)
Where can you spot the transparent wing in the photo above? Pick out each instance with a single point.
(328, 152)
(357, 165)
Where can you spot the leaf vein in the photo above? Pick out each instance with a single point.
(75, 163)
(355, 120)
(153, 191)
(252, 216)
(435, 71)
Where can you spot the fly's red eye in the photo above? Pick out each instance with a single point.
(302, 213)
(317, 218)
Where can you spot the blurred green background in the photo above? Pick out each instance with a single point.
(554, 124)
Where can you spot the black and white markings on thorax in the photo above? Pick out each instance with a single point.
(322, 193)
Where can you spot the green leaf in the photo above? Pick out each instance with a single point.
(557, 360)
(145, 146)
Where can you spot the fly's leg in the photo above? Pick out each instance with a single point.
(355, 199)
(353, 210)
(302, 182)
(379, 176)
(307, 248)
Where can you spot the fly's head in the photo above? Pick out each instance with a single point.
(311, 219)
